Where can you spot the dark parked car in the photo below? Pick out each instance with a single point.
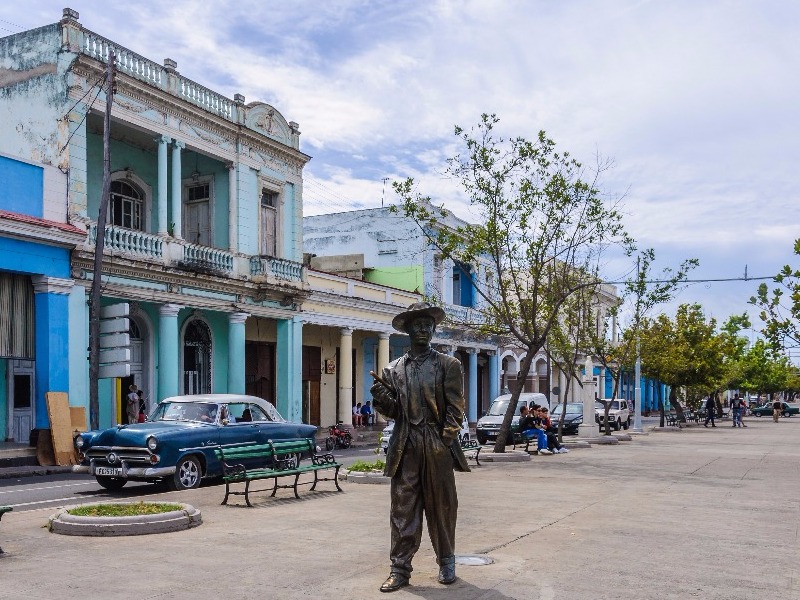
(787, 410)
(573, 418)
(176, 443)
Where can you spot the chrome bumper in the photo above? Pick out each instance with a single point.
(130, 471)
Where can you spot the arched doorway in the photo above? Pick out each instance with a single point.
(197, 358)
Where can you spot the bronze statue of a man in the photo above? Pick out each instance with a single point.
(423, 392)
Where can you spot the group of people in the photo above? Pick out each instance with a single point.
(363, 414)
(534, 422)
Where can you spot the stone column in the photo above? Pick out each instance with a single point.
(161, 195)
(233, 209)
(472, 402)
(236, 358)
(383, 360)
(588, 430)
(494, 375)
(601, 384)
(289, 359)
(345, 373)
(51, 341)
(177, 190)
(168, 355)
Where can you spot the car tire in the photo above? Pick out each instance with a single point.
(625, 425)
(187, 475)
(758, 414)
(786, 413)
(617, 425)
(112, 484)
(481, 438)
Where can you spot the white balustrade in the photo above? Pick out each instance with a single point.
(129, 241)
(127, 61)
(205, 256)
(205, 98)
(279, 268)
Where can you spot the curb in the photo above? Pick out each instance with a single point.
(178, 520)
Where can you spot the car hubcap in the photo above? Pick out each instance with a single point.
(188, 474)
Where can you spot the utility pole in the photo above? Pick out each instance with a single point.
(94, 298)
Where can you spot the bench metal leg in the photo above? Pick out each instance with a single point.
(316, 479)
(247, 493)
(227, 492)
(296, 477)
(477, 453)
(336, 479)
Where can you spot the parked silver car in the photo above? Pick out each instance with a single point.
(464, 436)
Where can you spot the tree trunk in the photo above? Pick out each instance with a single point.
(519, 385)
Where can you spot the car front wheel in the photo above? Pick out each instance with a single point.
(758, 414)
(187, 475)
(112, 483)
(786, 413)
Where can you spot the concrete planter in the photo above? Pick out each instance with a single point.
(373, 477)
(66, 524)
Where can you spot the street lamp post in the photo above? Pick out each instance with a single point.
(637, 393)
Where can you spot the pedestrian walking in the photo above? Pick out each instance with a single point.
(132, 404)
(777, 406)
(711, 408)
(737, 408)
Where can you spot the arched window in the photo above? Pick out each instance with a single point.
(127, 205)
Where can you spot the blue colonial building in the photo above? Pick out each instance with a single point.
(35, 289)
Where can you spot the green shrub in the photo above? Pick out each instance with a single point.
(361, 466)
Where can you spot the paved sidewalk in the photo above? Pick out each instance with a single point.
(691, 513)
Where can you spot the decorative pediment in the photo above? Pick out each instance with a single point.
(267, 121)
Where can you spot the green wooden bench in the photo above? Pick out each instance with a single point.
(471, 449)
(273, 460)
(4, 510)
(673, 420)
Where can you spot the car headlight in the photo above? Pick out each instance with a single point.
(152, 443)
(80, 442)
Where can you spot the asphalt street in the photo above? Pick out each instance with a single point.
(691, 513)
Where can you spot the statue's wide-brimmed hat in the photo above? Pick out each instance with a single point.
(418, 309)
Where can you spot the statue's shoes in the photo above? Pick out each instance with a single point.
(447, 574)
(395, 582)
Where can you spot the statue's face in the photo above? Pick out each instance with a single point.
(421, 329)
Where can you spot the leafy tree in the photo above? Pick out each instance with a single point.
(780, 307)
(684, 352)
(763, 370)
(543, 224)
(641, 294)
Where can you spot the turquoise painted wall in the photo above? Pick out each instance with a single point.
(79, 341)
(248, 211)
(144, 163)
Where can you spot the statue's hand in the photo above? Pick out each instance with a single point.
(383, 398)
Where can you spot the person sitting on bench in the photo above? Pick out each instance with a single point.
(530, 427)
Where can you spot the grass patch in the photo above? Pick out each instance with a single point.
(362, 466)
(124, 510)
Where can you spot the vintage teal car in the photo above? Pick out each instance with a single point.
(787, 410)
(176, 443)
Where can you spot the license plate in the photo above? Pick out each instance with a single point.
(108, 471)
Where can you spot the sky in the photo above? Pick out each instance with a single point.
(695, 103)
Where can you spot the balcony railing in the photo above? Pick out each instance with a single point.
(210, 258)
(146, 70)
(129, 241)
(278, 268)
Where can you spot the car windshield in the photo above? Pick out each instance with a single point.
(499, 407)
(572, 409)
(201, 412)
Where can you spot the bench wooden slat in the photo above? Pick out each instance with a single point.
(279, 453)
